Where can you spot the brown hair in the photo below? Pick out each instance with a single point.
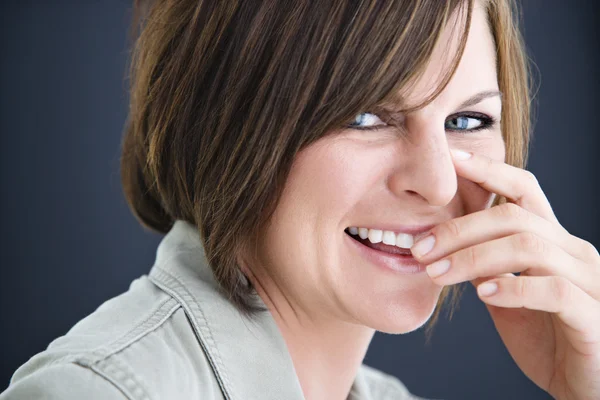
(225, 93)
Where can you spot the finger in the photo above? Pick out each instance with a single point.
(522, 252)
(516, 184)
(496, 222)
(553, 294)
(478, 281)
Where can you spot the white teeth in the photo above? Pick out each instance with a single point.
(402, 240)
(389, 238)
(405, 240)
(375, 235)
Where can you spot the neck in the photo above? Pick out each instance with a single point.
(326, 357)
(327, 352)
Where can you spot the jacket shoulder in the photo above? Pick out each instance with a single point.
(385, 386)
(62, 382)
(139, 344)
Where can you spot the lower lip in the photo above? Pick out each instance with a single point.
(394, 262)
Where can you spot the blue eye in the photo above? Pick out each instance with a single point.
(366, 121)
(461, 122)
(468, 122)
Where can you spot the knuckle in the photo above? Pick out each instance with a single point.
(531, 178)
(589, 250)
(511, 211)
(453, 228)
(523, 287)
(561, 289)
(530, 242)
(471, 257)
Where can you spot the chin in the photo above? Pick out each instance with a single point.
(404, 314)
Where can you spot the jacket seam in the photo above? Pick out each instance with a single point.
(152, 323)
(89, 357)
(171, 283)
(122, 377)
(106, 363)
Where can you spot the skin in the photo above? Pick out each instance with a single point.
(328, 301)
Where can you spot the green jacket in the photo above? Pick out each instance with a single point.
(172, 335)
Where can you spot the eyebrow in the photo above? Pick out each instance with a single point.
(479, 97)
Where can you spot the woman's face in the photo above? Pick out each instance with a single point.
(380, 179)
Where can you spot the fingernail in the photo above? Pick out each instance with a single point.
(423, 246)
(438, 268)
(487, 288)
(461, 155)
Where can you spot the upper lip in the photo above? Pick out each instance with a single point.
(415, 230)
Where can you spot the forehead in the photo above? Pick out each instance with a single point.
(476, 70)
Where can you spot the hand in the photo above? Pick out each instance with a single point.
(549, 316)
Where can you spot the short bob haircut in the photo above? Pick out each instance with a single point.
(224, 94)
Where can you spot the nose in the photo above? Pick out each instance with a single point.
(425, 169)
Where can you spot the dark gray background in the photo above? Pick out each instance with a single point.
(68, 241)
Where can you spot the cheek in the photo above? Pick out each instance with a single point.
(474, 197)
(328, 180)
(323, 185)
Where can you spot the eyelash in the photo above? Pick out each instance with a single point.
(486, 123)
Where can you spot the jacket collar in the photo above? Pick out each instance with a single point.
(249, 357)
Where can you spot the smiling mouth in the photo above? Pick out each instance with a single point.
(386, 248)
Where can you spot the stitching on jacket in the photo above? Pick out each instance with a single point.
(171, 284)
(154, 321)
(121, 375)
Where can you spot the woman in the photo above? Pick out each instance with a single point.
(323, 172)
